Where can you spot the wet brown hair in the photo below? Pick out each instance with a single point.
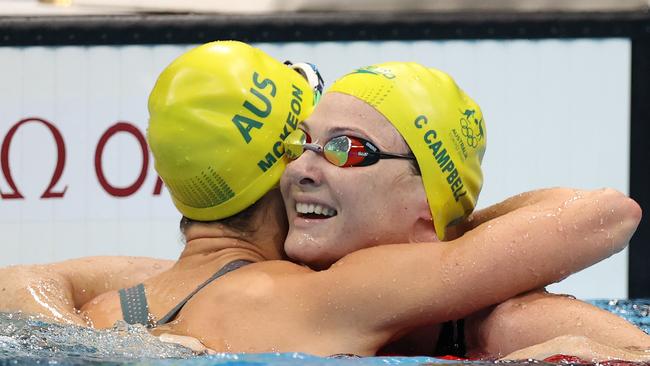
(241, 222)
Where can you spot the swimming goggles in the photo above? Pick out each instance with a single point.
(343, 151)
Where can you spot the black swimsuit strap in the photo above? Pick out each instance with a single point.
(225, 269)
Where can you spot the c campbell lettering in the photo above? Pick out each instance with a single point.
(443, 159)
(420, 121)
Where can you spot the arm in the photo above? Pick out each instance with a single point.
(57, 290)
(396, 287)
(537, 198)
(538, 316)
(579, 346)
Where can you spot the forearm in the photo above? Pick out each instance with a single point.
(537, 317)
(554, 197)
(582, 347)
(524, 249)
(545, 241)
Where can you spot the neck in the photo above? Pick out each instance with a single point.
(216, 248)
(213, 241)
(208, 250)
(203, 256)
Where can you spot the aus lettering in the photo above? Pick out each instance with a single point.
(259, 107)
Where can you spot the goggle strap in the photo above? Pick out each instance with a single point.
(395, 156)
(310, 73)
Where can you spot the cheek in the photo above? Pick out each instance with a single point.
(284, 184)
(368, 198)
(397, 210)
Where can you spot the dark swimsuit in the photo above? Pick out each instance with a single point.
(451, 341)
(135, 309)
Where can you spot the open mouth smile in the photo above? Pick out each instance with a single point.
(314, 211)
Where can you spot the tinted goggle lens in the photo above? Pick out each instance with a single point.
(336, 150)
(294, 144)
(343, 151)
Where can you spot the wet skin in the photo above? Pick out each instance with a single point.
(337, 310)
(383, 203)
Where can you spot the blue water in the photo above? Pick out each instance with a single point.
(25, 341)
(636, 311)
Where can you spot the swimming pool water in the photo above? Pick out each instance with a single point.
(27, 340)
(636, 311)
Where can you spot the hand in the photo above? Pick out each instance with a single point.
(186, 341)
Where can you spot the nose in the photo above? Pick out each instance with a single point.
(306, 170)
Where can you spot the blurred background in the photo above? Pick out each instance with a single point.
(564, 87)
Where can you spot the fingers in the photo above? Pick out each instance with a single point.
(190, 342)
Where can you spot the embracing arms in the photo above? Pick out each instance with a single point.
(57, 290)
(524, 243)
(374, 295)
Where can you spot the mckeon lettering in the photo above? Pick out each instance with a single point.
(290, 124)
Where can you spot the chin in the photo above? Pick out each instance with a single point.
(309, 256)
(297, 253)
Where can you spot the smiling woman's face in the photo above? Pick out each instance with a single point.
(333, 211)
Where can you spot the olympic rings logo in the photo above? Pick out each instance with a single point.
(471, 136)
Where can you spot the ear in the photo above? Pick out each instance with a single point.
(423, 229)
(423, 232)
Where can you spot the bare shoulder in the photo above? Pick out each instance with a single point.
(258, 280)
(226, 314)
(104, 310)
(274, 286)
(92, 276)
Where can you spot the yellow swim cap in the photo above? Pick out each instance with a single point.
(217, 117)
(442, 125)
